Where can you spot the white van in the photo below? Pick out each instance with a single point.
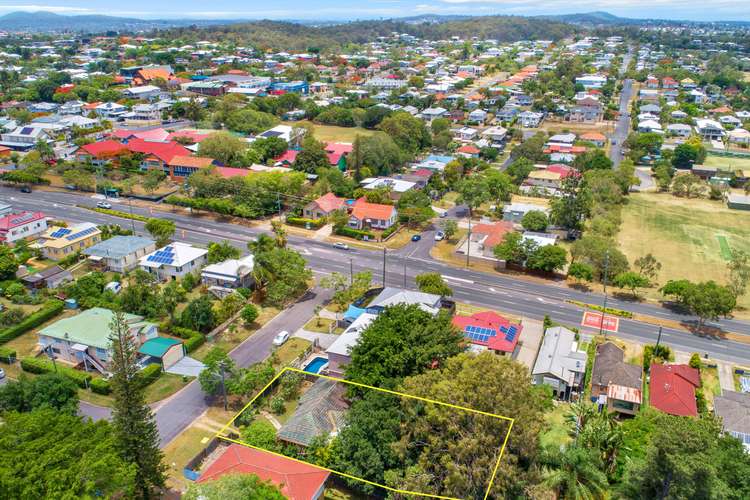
(113, 286)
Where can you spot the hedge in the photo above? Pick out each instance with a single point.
(219, 205)
(7, 355)
(302, 222)
(149, 374)
(118, 213)
(100, 386)
(390, 231)
(194, 342)
(47, 312)
(354, 233)
(183, 333)
(41, 365)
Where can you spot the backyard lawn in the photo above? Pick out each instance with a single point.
(691, 238)
(332, 133)
(290, 351)
(727, 162)
(710, 383)
(322, 325)
(557, 433)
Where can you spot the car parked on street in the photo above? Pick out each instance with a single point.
(439, 236)
(416, 237)
(280, 338)
(104, 204)
(341, 246)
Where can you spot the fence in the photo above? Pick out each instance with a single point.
(190, 470)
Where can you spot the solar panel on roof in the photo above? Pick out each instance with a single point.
(22, 218)
(27, 130)
(80, 234)
(511, 335)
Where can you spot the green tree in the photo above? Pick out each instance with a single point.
(199, 315)
(647, 266)
(575, 473)
(312, 157)
(48, 391)
(234, 487)
(688, 154)
(548, 258)
(171, 295)
(739, 272)
(224, 147)
(574, 204)
(409, 132)
(695, 361)
(152, 179)
(418, 337)
(433, 283)
(709, 301)
(249, 314)
(59, 455)
(132, 420)
(500, 185)
(632, 281)
(261, 433)
(161, 229)
(535, 220)
(520, 169)
(593, 159)
(282, 274)
(216, 361)
(581, 271)
(221, 251)
(472, 192)
(599, 253)
(449, 228)
(513, 248)
(8, 263)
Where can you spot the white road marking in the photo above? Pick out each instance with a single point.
(445, 276)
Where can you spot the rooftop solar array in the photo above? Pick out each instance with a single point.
(479, 334)
(163, 256)
(61, 232)
(23, 218)
(510, 332)
(79, 234)
(27, 130)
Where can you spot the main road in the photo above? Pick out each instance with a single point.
(528, 297)
(622, 128)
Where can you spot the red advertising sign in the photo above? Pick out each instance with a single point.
(599, 321)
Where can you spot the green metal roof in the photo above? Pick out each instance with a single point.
(90, 327)
(157, 347)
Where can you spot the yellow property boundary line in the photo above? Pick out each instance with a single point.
(221, 433)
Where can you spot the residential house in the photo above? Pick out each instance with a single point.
(101, 153)
(430, 114)
(320, 412)
(530, 119)
(514, 212)
(324, 206)
(83, 340)
(484, 238)
(560, 364)
(111, 111)
(738, 201)
(143, 115)
(162, 350)
(144, 92)
(21, 226)
(232, 273)
(596, 138)
(174, 261)
(586, 109)
(507, 114)
(709, 129)
(647, 126)
(614, 382)
(739, 136)
(291, 135)
(24, 138)
(468, 151)
(157, 155)
(183, 166)
(339, 353)
(296, 480)
(478, 116)
(50, 278)
(120, 253)
(734, 410)
(59, 242)
(465, 133)
(591, 81)
(672, 389)
(495, 135)
(679, 130)
(396, 187)
(487, 330)
(372, 215)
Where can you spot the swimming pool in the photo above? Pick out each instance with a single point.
(316, 364)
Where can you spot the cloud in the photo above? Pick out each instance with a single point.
(58, 9)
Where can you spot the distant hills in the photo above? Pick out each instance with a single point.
(43, 21)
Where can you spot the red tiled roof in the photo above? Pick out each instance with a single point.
(468, 149)
(15, 220)
(672, 389)
(495, 232)
(335, 150)
(563, 170)
(156, 134)
(104, 148)
(423, 172)
(562, 148)
(594, 136)
(365, 210)
(492, 321)
(229, 172)
(296, 480)
(288, 156)
(165, 151)
(329, 202)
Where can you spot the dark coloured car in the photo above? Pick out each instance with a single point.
(416, 237)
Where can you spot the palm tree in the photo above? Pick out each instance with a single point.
(575, 474)
(578, 416)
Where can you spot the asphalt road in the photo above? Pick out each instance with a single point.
(622, 128)
(533, 298)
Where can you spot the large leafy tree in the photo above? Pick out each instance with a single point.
(199, 315)
(223, 147)
(135, 429)
(573, 205)
(575, 473)
(50, 454)
(408, 131)
(280, 272)
(8, 263)
(161, 229)
(473, 191)
(221, 251)
(402, 341)
(433, 283)
(234, 487)
(710, 301)
(486, 383)
(45, 391)
(312, 157)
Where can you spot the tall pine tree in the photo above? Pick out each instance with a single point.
(134, 424)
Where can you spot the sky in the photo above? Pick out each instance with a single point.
(701, 10)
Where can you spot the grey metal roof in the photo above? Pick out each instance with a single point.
(734, 409)
(558, 355)
(118, 246)
(321, 411)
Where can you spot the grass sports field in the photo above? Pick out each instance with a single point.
(331, 133)
(691, 238)
(727, 162)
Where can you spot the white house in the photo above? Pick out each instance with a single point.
(142, 92)
(111, 110)
(560, 364)
(120, 253)
(23, 225)
(679, 129)
(591, 81)
(232, 273)
(174, 260)
(709, 129)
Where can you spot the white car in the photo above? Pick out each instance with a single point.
(341, 246)
(2, 374)
(104, 204)
(280, 338)
(439, 236)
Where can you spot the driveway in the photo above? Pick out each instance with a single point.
(187, 366)
(647, 181)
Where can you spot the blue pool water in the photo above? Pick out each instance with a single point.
(315, 365)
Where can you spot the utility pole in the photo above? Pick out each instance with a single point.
(468, 241)
(658, 340)
(383, 267)
(351, 271)
(132, 221)
(223, 385)
(604, 309)
(404, 272)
